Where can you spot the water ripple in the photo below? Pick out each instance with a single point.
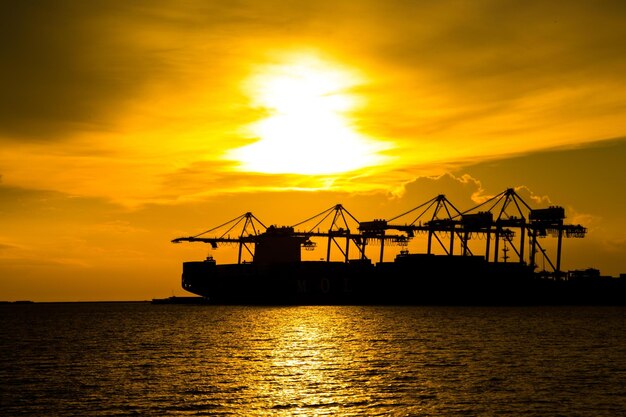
(140, 359)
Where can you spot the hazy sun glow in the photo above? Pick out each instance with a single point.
(308, 129)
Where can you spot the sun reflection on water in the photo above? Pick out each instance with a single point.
(140, 359)
(316, 362)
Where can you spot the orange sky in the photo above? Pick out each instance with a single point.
(126, 124)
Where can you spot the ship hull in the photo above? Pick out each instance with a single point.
(412, 280)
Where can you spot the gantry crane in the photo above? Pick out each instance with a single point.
(251, 228)
(500, 218)
(336, 224)
(497, 218)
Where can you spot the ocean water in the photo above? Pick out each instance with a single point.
(100, 359)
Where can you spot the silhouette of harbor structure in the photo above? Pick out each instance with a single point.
(488, 254)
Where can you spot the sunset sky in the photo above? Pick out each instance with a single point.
(126, 124)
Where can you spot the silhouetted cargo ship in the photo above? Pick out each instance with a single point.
(277, 275)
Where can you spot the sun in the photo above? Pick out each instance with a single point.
(308, 129)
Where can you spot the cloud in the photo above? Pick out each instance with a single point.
(468, 193)
(480, 43)
(73, 66)
(585, 177)
(33, 202)
(35, 261)
(615, 246)
(459, 191)
(538, 200)
(5, 246)
(589, 221)
(491, 78)
(61, 71)
(150, 90)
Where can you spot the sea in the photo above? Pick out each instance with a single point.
(124, 359)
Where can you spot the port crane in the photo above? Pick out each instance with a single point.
(503, 220)
(250, 228)
(499, 218)
(336, 224)
(436, 217)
